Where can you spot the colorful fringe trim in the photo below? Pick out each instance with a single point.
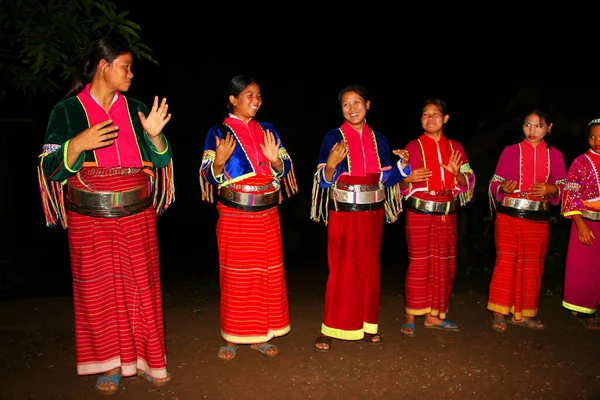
(319, 209)
(209, 191)
(53, 199)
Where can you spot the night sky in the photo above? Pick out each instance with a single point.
(477, 60)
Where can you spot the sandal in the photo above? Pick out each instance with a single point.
(227, 352)
(499, 325)
(372, 338)
(445, 326)
(527, 323)
(322, 340)
(113, 381)
(409, 330)
(593, 323)
(268, 349)
(156, 382)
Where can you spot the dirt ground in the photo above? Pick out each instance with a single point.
(561, 362)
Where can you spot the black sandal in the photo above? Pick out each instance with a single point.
(322, 340)
(372, 338)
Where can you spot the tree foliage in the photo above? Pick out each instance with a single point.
(42, 42)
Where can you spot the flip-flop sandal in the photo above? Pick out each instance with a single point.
(224, 350)
(114, 379)
(372, 338)
(592, 324)
(412, 327)
(527, 323)
(156, 382)
(499, 325)
(265, 349)
(322, 340)
(444, 326)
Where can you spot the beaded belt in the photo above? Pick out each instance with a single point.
(524, 208)
(348, 197)
(109, 204)
(430, 206)
(250, 201)
(591, 215)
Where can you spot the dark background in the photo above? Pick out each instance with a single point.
(489, 61)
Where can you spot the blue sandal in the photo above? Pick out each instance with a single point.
(412, 327)
(156, 382)
(265, 348)
(445, 326)
(114, 379)
(224, 350)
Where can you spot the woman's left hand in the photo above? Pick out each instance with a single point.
(270, 147)
(543, 189)
(157, 119)
(454, 164)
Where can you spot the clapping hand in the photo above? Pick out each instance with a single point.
(224, 149)
(97, 136)
(454, 163)
(338, 152)
(418, 175)
(508, 186)
(157, 119)
(404, 156)
(270, 147)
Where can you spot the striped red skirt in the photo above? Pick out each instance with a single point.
(431, 242)
(116, 290)
(353, 287)
(254, 305)
(521, 247)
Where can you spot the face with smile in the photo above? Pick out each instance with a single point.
(117, 75)
(535, 129)
(354, 109)
(433, 119)
(247, 103)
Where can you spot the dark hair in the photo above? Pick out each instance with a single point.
(594, 122)
(356, 88)
(237, 85)
(106, 48)
(544, 117)
(437, 102)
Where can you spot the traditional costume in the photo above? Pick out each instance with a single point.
(581, 196)
(522, 227)
(354, 204)
(109, 200)
(431, 227)
(254, 305)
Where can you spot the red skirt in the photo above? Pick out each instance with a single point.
(431, 242)
(254, 305)
(353, 287)
(521, 247)
(116, 289)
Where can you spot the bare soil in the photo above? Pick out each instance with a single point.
(560, 362)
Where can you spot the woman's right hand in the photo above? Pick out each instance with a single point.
(508, 186)
(97, 136)
(337, 154)
(418, 175)
(223, 150)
